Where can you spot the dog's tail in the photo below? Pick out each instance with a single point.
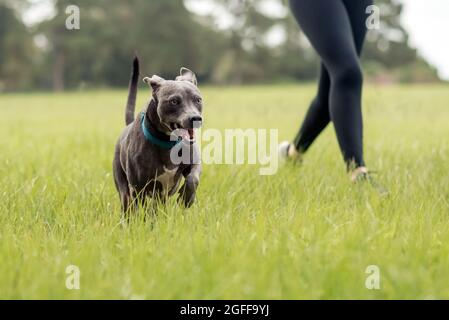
(132, 92)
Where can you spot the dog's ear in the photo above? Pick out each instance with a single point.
(155, 82)
(187, 75)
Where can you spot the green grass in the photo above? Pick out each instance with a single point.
(305, 232)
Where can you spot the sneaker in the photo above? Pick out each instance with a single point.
(283, 148)
(288, 152)
(368, 176)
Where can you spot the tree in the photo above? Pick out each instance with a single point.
(16, 51)
(164, 34)
(246, 56)
(387, 49)
(167, 36)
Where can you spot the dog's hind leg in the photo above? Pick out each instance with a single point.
(121, 183)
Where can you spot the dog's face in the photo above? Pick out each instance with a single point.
(179, 104)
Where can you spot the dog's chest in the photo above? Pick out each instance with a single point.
(167, 178)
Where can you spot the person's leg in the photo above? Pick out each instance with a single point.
(317, 117)
(357, 16)
(328, 27)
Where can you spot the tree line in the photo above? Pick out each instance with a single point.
(168, 34)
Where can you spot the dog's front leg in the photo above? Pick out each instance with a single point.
(192, 180)
(129, 202)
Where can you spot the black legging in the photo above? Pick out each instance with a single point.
(336, 29)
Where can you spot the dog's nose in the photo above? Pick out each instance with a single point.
(196, 121)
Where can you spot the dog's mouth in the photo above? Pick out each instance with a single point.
(187, 135)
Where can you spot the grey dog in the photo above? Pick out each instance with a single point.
(144, 165)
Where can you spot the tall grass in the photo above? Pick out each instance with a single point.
(305, 232)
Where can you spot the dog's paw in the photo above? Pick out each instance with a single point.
(187, 193)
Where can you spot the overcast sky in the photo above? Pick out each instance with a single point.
(427, 22)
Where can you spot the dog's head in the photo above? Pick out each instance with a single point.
(178, 103)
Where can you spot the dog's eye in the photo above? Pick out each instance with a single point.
(174, 102)
(198, 100)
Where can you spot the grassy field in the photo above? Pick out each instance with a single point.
(303, 233)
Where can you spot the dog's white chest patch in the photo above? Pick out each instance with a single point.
(167, 178)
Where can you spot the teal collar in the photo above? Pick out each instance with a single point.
(150, 137)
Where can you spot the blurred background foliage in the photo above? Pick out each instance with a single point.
(254, 45)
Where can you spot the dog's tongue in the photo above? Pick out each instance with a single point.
(191, 134)
(187, 135)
